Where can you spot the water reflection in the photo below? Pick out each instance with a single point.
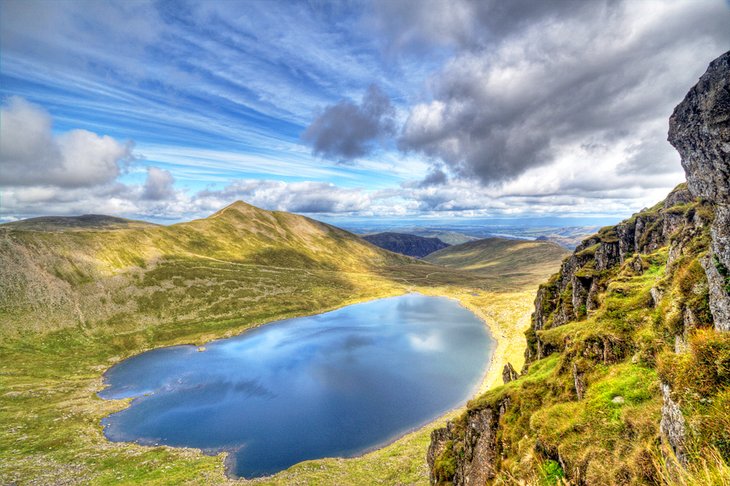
(335, 384)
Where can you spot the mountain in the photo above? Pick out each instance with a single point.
(627, 375)
(101, 269)
(448, 237)
(66, 223)
(76, 300)
(568, 237)
(502, 258)
(405, 244)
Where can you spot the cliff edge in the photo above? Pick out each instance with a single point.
(627, 378)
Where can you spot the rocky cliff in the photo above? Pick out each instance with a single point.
(700, 131)
(627, 378)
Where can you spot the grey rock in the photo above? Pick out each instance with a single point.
(680, 344)
(656, 295)
(637, 265)
(579, 382)
(700, 131)
(479, 462)
(719, 304)
(509, 373)
(672, 425)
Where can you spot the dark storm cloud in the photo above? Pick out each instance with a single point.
(419, 25)
(346, 131)
(436, 177)
(530, 81)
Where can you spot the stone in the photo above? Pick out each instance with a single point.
(637, 265)
(699, 129)
(656, 295)
(509, 373)
(579, 382)
(672, 425)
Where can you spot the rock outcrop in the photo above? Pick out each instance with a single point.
(574, 291)
(467, 456)
(509, 373)
(700, 131)
(672, 425)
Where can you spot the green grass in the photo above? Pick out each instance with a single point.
(610, 435)
(517, 261)
(73, 303)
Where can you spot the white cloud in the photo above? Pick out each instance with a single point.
(300, 197)
(429, 343)
(159, 184)
(31, 154)
(530, 83)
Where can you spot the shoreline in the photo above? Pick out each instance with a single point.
(491, 376)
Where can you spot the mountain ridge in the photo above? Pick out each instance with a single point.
(82, 222)
(48, 274)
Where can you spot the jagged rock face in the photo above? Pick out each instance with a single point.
(700, 131)
(575, 291)
(509, 373)
(477, 462)
(672, 425)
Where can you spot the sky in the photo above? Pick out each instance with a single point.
(421, 109)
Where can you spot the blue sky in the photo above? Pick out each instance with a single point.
(171, 110)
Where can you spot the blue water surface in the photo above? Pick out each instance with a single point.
(329, 385)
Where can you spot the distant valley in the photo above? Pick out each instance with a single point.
(504, 258)
(567, 236)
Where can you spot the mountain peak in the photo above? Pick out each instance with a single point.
(239, 207)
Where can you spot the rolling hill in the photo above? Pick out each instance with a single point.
(512, 260)
(67, 223)
(78, 295)
(99, 273)
(405, 244)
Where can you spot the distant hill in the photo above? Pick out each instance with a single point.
(411, 245)
(504, 258)
(449, 237)
(84, 222)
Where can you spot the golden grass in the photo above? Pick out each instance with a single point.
(117, 293)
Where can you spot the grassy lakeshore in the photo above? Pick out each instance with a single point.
(52, 415)
(173, 289)
(403, 461)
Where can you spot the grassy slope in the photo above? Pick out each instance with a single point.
(521, 262)
(622, 348)
(72, 303)
(69, 223)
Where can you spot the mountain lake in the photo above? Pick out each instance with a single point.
(336, 384)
